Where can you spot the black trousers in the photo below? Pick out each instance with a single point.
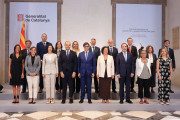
(25, 84)
(143, 85)
(77, 84)
(132, 80)
(58, 85)
(68, 80)
(96, 83)
(41, 83)
(124, 80)
(113, 84)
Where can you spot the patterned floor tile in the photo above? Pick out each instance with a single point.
(115, 113)
(41, 115)
(140, 114)
(3, 115)
(91, 114)
(119, 118)
(177, 112)
(170, 118)
(66, 113)
(165, 113)
(66, 118)
(17, 115)
(13, 119)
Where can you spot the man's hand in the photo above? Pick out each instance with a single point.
(92, 75)
(79, 75)
(73, 75)
(97, 76)
(62, 74)
(132, 75)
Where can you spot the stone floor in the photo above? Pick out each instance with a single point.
(95, 115)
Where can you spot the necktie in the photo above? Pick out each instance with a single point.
(27, 51)
(125, 57)
(86, 56)
(93, 49)
(130, 49)
(111, 50)
(44, 44)
(67, 54)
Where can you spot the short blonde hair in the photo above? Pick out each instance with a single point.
(167, 53)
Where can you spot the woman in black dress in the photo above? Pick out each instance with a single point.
(164, 71)
(153, 59)
(16, 71)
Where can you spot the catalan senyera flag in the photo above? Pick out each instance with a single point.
(22, 37)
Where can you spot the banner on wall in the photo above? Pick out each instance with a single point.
(39, 18)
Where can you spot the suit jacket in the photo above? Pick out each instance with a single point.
(124, 68)
(68, 65)
(114, 54)
(101, 66)
(41, 49)
(171, 55)
(133, 52)
(50, 64)
(35, 68)
(24, 53)
(88, 65)
(96, 52)
(154, 60)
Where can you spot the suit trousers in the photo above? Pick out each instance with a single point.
(50, 85)
(33, 85)
(86, 80)
(124, 80)
(68, 80)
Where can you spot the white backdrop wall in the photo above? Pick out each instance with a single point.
(86, 19)
(39, 18)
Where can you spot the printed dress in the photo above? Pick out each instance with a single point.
(164, 85)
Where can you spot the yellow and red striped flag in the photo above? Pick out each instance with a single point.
(22, 38)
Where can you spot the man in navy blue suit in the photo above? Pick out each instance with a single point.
(125, 70)
(86, 71)
(41, 50)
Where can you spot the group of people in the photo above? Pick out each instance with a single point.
(58, 68)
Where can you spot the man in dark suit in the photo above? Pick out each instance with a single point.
(41, 50)
(68, 68)
(125, 70)
(171, 55)
(133, 50)
(96, 50)
(86, 71)
(113, 52)
(25, 52)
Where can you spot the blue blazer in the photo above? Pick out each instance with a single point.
(41, 49)
(88, 66)
(124, 68)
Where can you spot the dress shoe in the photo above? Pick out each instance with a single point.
(71, 100)
(63, 101)
(129, 101)
(96, 91)
(121, 102)
(171, 91)
(114, 91)
(40, 91)
(81, 101)
(89, 101)
(133, 91)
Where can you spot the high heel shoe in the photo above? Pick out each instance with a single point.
(14, 100)
(17, 100)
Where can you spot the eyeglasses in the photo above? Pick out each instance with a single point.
(86, 46)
